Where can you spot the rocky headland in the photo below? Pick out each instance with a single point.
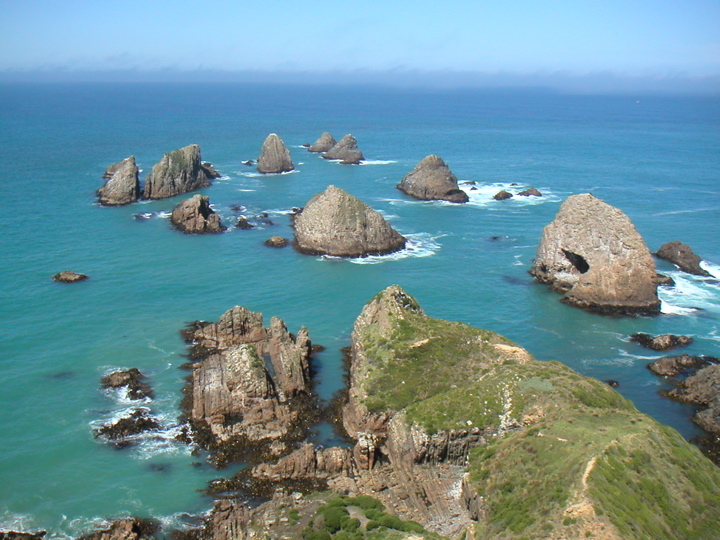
(346, 150)
(123, 184)
(432, 180)
(683, 257)
(194, 216)
(178, 172)
(324, 143)
(593, 255)
(274, 156)
(336, 223)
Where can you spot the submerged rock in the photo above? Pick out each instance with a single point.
(530, 192)
(15, 535)
(68, 276)
(593, 254)
(663, 342)
(346, 151)
(176, 173)
(502, 195)
(138, 421)
(683, 257)
(336, 223)
(131, 379)
(274, 156)
(123, 185)
(131, 528)
(432, 180)
(323, 144)
(194, 216)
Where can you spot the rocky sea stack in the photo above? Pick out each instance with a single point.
(594, 256)
(432, 180)
(178, 172)
(123, 185)
(274, 156)
(346, 151)
(683, 257)
(336, 223)
(68, 276)
(194, 216)
(323, 144)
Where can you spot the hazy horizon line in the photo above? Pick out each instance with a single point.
(602, 82)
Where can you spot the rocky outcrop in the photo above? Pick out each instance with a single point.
(68, 276)
(274, 156)
(703, 389)
(683, 257)
(138, 421)
(671, 366)
(432, 180)
(336, 223)
(276, 242)
(346, 151)
(663, 342)
(176, 173)
(130, 379)
(530, 192)
(15, 535)
(323, 144)
(131, 528)
(594, 256)
(502, 195)
(123, 184)
(194, 216)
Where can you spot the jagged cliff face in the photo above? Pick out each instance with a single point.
(336, 223)
(432, 180)
(123, 185)
(176, 173)
(274, 156)
(592, 253)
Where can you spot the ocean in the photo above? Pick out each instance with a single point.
(657, 158)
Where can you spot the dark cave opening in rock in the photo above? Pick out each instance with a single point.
(578, 261)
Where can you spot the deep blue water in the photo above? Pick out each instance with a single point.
(656, 158)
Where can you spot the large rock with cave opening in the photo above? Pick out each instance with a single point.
(274, 156)
(123, 184)
(432, 180)
(593, 255)
(336, 223)
(178, 172)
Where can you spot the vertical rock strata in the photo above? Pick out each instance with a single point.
(123, 184)
(432, 180)
(274, 156)
(336, 223)
(176, 173)
(592, 253)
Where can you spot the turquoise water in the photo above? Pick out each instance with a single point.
(656, 158)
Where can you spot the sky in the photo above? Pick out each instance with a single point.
(511, 40)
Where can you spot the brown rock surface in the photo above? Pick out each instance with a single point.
(176, 173)
(336, 223)
(346, 151)
(274, 156)
(68, 276)
(123, 184)
(593, 254)
(683, 257)
(323, 144)
(194, 216)
(663, 342)
(131, 528)
(431, 180)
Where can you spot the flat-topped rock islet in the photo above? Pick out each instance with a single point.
(346, 150)
(274, 156)
(123, 184)
(336, 223)
(593, 255)
(178, 172)
(432, 180)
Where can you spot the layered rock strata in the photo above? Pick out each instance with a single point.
(123, 184)
(594, 256)
(178, 172)
(336, 223)
(194, 216)
(323, 144)
(683, 257)
(432, 180)
(274, 156)
(346, 150)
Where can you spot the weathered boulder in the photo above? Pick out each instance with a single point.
(502, 195)
(176, 173)
(432, 180)
(593, 254)
(274, 156)
(276, 241)
(670, 366)
(68, 276)
(323, 144)
(530, 192)
(123, 184)
(683, 257)
(663, 342)
(194, 216)
(346, 151)
(131, 379)
(336, 223)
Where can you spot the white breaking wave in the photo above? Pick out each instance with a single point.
(691, 293)
(249, 174)
(418, 245)
(710, 268)
(377, 162)
(481, 195)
